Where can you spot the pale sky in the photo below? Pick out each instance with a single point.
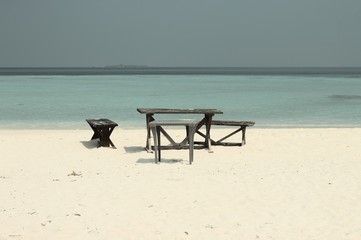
(180, 33)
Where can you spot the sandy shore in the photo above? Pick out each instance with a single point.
(284, 184)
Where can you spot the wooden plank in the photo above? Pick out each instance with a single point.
(101, 122)
(230, 144)
(184, 147)
(175, 122)
(232, 123)
(178, 111)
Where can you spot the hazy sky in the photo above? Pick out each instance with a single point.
(240, 33)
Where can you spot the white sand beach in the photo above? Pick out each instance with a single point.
(283, 184)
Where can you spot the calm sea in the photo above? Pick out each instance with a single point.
(272, 97)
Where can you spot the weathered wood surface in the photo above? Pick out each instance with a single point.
(101, 122)
(180, 147)
(178, 122)
(178, 111)
(232, 123)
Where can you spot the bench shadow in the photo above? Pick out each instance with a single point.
(90, 144)
(151, 160)
(134, 149)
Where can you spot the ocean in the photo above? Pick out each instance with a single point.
(62, 98)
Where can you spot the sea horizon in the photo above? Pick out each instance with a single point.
(149, 70)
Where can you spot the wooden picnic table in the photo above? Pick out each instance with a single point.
(206, 121)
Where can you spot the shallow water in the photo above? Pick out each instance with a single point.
(65, 101)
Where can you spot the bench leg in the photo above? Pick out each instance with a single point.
(155, 137)
(148, 119)
(157, 148)
(191, 133)
(243, 135)
(208, 134)
(159, 145)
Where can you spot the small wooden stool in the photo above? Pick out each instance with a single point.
(156, 126)
(102, 129)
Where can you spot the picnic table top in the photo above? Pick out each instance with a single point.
(187, 122)
(179, 111)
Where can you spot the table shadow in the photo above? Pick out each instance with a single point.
(164, 160)
(134, 149)
(90, 144)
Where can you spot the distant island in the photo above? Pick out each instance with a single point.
(122, 69)
(125, 66)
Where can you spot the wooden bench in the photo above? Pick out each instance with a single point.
(102, 129)
(156, 127)
(242, 125)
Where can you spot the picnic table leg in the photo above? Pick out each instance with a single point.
(148, 119)
(187, 133)
(208, 119)
(156, 137)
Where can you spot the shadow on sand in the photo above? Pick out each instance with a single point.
(134, 149)
(90, 144)
(151, 160)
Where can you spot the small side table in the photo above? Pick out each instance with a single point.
(102, 129)
(156, 127)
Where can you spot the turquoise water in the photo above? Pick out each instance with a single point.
(64, 101)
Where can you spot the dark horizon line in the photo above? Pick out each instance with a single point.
(347, 71)
(145, 66)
